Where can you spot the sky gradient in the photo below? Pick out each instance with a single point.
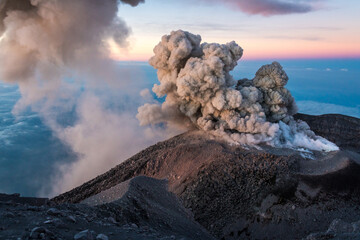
(327, 29)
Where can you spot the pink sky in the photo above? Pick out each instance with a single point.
(322, 29)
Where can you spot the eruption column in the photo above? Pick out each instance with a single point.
(200, 92)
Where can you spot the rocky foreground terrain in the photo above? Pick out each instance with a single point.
(140, 208)
(216, 190)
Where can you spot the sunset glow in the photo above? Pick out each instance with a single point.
(310, 35)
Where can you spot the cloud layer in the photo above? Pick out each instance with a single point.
(318, 108)
(271, 7)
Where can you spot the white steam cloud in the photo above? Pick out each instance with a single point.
(201, 93)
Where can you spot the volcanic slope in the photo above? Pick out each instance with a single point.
(237, 192)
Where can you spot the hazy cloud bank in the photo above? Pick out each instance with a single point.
(318, 108)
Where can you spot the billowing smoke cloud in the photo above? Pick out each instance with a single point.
(100, 137)
(271, 7)
(8, 5)
(201, 93)
(51, 47)
(46, 40)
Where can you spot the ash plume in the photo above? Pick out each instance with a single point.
(200, 92)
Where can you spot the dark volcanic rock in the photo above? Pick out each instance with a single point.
(16, 198)
(340, 129)
(146, 200)
(338, 230)
(143, 210)
(239, 193)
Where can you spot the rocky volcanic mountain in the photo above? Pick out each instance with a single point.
(228, 191)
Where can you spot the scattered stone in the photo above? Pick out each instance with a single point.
(268, 202)
(41, 233)
(54, 212)
(102, 237)
(306, 193)
(338, 230)
(320, 236)
(356, 227)
(339, 226)
(84, 235)
(90, 218)
(71, 219)
(55, 222)
(112, 220)
(134, 225)
(9, 215)
(33, 208)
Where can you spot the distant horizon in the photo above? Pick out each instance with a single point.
(340, 57)
(259, 59)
